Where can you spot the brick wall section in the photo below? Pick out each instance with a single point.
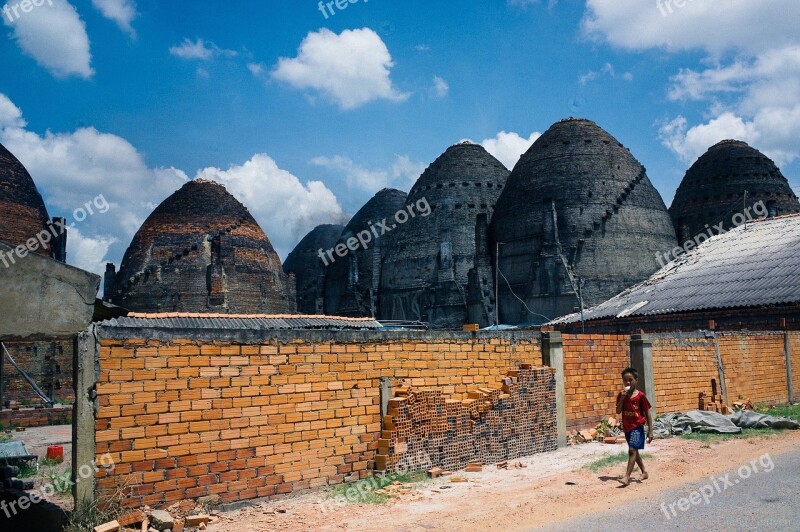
(683, 366)
(496, 424)
(755, 366)
(592, 367)
(48, 363)
(186, 418)
(794, 350)
(36, 417)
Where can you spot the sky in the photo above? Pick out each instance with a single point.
(304, 110)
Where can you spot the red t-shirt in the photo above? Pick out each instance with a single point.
(634, 410)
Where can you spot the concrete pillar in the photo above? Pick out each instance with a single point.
(553, 356)
(85, 368)
(642, 361)
(788, 353)
(386, 394)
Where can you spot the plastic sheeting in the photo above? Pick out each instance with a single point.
(748, 419)
(670, 425)
(677, 424)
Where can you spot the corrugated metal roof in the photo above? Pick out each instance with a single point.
(747, 267)
(174, 320)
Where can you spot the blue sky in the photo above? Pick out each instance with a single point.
(304, 118)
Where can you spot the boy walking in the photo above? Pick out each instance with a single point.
(635, 410)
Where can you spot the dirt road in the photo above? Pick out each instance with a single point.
(554, 487)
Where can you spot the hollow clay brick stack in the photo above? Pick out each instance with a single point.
(490, 426)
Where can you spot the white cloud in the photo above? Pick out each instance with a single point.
(714, 26)
(54, 35)
(607, 70)
(751, 77)
(283, 206)
(756, 100)
(509, 147)
(257, 69)
(199, 50)
(351, 68)
(440, 87)
(401, 174)
(525, 3)
(10, 115)
(120, 11)
(88, 253)
(71, 169)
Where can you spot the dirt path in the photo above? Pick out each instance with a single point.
(517, 499)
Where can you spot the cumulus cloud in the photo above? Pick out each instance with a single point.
(750, 77)
(284, 207)
(351, 69)
(257, 69)
(716, 27)
(86, 252)
(54, 35)
(607, 70)
(401, 174)
(509, 147)
(10, 115)
(199, 50)
(440, 88)
(525, 3)
(752, 99)
(73, 168)
(120, 11)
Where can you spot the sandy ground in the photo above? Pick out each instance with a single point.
(37, 440)
(516, 499)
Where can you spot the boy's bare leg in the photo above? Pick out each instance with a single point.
(632, 455)
(640, 463)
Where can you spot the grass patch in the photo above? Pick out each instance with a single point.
(712, 437)
(368, 493)
(104, 509)
(60, 480)
(790, 411)
(27, 470)
(612, 459)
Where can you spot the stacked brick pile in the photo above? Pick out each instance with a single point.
(490, 426)
(36, 417)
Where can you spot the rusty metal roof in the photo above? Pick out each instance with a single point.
(177, 320)
(753, 266)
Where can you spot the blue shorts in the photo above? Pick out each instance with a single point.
(636, 438)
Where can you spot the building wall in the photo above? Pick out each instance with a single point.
(755, 366)
(185, 414)
(754, 363)
(794, 349)
(48, 363)
(189, 418)
(592, 367)
(684, 365)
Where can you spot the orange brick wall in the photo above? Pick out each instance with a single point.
(683, 367)
(794, 349)
(755, 366)
(185, 419)
(592, 367)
